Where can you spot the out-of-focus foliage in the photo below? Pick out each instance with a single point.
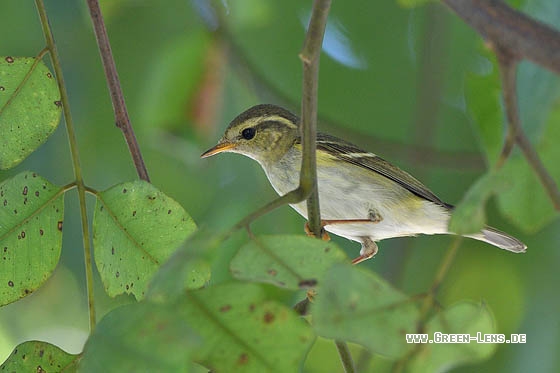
(411, 84)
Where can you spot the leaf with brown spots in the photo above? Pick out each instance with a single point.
(30, 241)
(133, 234)
(36, 356)
(356, 305)
(288, 261)
(28, 113)
(243, 332)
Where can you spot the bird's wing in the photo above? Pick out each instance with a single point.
(350, 153)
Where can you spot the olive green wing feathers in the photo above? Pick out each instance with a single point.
(347, 152)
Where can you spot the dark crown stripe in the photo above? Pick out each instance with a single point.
(264, 111)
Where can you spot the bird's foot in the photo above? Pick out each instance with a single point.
(369, 249)
(324, 235)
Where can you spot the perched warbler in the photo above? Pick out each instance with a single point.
(362, 197)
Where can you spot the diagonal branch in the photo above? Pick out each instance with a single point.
(119, 107)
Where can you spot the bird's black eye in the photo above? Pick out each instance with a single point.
(248, 133)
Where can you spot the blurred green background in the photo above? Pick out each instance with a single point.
(395, 81)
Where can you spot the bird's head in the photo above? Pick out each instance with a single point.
(264, 133)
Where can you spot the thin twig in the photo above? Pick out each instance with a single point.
(119, 107)
(508, 65)
(310, 56)
(75, 157)
(512, 30)
(345, 356)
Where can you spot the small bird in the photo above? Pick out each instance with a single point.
(362, 197)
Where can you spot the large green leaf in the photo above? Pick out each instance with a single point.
(136, 227)
(462, 318)
(242, 332)
(40, 357)
(140, 337)
(29, 107)
(31, 214)
(356, 305)
(285, 261)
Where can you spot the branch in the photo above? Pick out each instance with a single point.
(310, 56)
(51, 45)
(511, 30)
(515, 36)
(345, 356)
(119, 107)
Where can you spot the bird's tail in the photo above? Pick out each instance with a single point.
(499, 239)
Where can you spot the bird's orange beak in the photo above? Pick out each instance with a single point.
(220, 147)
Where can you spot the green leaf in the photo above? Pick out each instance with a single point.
(285, 260)
(469, 215)
(358, 306)
(186, 268)
(29, 107)
(36, 356)
(461, 318)
(140, 337)
(31, 214)
(136, 227)
(242, 332)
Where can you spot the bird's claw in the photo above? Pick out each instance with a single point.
(324, 235)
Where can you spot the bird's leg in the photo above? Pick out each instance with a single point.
(373, 217)
(369, 249)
